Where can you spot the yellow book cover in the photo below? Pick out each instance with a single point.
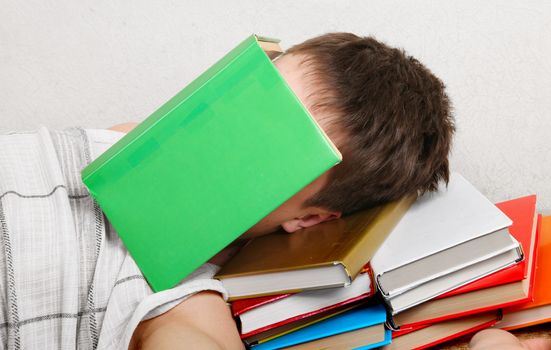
(325, 255)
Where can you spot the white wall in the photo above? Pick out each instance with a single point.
(98, 63)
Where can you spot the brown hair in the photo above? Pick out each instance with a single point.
(393, 114)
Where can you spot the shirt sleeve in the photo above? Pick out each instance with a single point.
(200, 280)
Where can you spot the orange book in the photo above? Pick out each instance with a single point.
(539, 309)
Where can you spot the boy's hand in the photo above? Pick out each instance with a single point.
(489, 339)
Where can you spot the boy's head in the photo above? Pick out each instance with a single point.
(388, 115)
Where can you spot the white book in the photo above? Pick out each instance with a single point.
(307, 302)
(442, 233)
(427, 269)
(441, 285)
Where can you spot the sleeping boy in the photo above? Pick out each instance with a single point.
(67, 280)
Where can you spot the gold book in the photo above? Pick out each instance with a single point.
(326, 255)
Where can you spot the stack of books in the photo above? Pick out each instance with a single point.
(313, 288)
(479, 301)
(511, 298)
(237, 143)
(447, 265)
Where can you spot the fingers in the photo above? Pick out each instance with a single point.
(493, 338)
(537, 344)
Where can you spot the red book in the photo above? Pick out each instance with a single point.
(426, 336)
(522, 212)
(243, 305)
(259, 315)
(510, 274)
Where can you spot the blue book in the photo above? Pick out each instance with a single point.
(360, 328)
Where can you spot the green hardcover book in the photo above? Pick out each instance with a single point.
(211, 162)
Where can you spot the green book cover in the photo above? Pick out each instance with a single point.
(211, 162)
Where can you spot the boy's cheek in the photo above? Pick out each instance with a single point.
(263, 227)
(227, 253)
(255, 232)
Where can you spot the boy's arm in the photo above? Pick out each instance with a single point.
(203, 321)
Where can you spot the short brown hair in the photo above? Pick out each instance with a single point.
(394, 113)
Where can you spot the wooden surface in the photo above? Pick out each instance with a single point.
(543, 330)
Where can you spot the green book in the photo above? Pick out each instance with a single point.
(211, 162)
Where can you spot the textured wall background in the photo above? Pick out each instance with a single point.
(98, 63)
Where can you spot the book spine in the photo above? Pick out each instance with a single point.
(306, 315)
(355, 259)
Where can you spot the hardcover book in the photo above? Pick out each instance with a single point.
(447, 239)
(526, 229)
(286, 328)
(427, 336)
(360, 328)
(330, 254)
(211, 162)
(538, 310)
(304, 305)
(522, 212)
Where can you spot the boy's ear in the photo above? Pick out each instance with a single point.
(309, 220)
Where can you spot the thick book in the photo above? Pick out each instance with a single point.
(281, 311)
(509, 274)
(286, 328)
(447, 239)
(215, 159)
(521, 211)
(330, 254)
(241, 306)
(360, 328)
(538, 310)
(424, 337)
